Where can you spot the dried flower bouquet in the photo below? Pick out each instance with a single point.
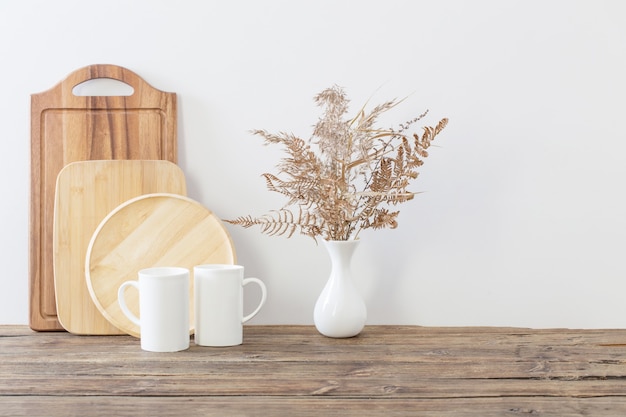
(347, 175)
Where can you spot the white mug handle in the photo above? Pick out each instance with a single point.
(263, 296)
(122, 301)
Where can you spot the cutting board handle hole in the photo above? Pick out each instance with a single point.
(103, 87)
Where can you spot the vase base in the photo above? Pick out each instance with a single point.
(338, 335)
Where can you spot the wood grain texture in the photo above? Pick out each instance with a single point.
(147, 231)
(108, 406)
(67, 128)
(292, 370)
(86, 192)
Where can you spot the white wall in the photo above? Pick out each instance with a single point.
(523, 220)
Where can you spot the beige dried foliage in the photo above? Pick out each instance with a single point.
(347, 175)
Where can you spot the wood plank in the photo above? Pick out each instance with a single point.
(261, 342)
(309, 407)
(388, 370)
(298, 381)
(362, 365)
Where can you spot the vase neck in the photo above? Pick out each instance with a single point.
(340, 251)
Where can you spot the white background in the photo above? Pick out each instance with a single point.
(523, 217)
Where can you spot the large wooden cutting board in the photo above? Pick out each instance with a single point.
(67, 128)
(151, 230)
(86, 192)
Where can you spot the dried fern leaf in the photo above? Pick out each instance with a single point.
(338, 181)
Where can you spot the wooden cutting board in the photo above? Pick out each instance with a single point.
(67, 128)
(152, 230)
(86, 192)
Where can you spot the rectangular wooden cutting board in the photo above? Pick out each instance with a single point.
(66, 128)
(86, 192)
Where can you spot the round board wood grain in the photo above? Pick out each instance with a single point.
(151, 230)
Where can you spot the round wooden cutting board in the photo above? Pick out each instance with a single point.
(151, 230)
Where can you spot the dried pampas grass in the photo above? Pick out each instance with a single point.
(347, 175)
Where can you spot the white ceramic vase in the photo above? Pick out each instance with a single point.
(340, 311)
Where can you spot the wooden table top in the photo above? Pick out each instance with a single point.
(294, 371)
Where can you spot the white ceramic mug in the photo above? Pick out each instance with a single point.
(163, 308)
(218, 304)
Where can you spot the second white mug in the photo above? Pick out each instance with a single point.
(218, 304)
